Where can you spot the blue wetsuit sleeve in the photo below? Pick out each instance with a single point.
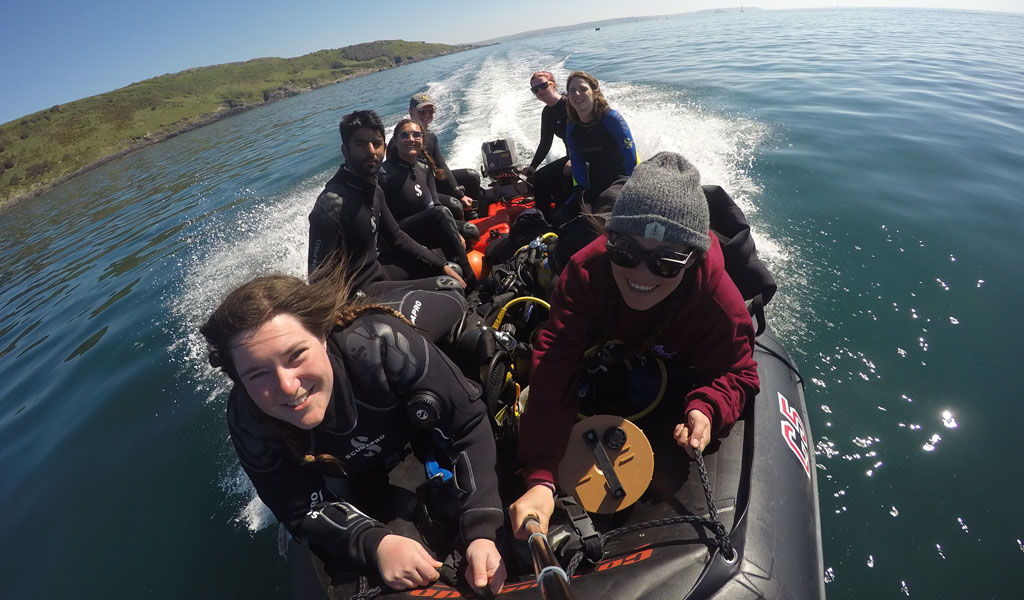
(579, 166)
(620, 132)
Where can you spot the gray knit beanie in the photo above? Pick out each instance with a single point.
(663, 201)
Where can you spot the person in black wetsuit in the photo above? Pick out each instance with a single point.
(328, 396)
(351, 214)
(552, 183)
(408, 180)
(463, 184)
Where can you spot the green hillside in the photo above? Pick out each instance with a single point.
(46, 147)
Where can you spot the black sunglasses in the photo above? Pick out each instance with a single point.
(539, 86)
(662, 264)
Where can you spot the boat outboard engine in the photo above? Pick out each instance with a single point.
(500, 157)
(501, 165)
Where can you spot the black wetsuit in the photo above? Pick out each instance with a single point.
(381, 365)
(553, 121)
(457, 183)
(411, 194)
(351, 214)
(550, 184)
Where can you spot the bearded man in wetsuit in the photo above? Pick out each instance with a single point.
(351, 214)
(552, 183)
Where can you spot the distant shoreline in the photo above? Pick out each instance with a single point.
(202, 120)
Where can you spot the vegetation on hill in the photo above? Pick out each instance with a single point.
(49, 146)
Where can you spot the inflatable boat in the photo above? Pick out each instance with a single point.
(742, 521)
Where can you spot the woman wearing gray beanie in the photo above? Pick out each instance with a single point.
(656, 282)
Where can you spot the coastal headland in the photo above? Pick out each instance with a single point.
(49, 147)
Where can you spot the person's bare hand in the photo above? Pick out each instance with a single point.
(404, 563)
(484, 566)
(694, 433)
(449, 271)
(538, 501)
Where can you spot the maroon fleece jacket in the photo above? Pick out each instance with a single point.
(711, 332)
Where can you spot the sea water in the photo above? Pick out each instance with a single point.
(879, 155)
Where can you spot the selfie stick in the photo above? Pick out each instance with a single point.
(551, 578)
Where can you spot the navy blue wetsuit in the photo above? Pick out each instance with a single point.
(601, 152)
(381, 365)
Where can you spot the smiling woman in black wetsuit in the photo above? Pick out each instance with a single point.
(328, 395)
(408, 180)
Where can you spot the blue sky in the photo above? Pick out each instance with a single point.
(56, 52)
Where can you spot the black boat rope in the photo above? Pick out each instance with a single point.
(712, 523)
(364, 593)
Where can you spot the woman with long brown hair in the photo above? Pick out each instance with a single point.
(601, 146)
(408, 178)
(328, 395)
(602, 154)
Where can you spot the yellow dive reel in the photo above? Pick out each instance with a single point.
(607, 465)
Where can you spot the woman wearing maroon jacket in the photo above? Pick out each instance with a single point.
(655, 281)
